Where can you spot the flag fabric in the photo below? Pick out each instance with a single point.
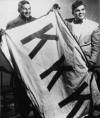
(53, 67)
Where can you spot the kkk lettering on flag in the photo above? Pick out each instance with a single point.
(52, 66)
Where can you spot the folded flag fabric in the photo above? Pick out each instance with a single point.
(53, 67)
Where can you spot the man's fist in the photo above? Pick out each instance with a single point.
(56, 6)
(2, 32)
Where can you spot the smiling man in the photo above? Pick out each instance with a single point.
(24, 9)
(86, 32)
(79, 11)
(22, 102)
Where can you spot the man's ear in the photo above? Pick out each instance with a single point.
(72, 12)
(19, 9)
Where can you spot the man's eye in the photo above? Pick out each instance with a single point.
(77, 10)
(83, 9)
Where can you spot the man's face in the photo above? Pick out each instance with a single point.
(80, 12)
(26, 10)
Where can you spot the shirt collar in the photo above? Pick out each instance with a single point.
(78, 21)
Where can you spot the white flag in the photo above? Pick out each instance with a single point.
(44, 52)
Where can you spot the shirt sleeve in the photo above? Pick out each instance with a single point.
(95, 43)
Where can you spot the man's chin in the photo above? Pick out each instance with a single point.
(27, 16)
(81, 18)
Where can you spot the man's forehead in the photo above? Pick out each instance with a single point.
(26, 6)
(80, 7)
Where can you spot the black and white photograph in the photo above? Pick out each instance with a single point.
(49, 58)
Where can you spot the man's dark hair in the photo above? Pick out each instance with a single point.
(76, 4)
(21, 3)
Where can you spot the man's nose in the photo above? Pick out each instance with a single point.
(81, 11)
(28, 10)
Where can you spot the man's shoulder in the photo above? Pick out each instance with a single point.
(93, 23)
(33, 18)
(18, 21)
(13, 23)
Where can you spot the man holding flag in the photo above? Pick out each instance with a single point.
(21, 99)
(87, 35)
(85, 31)
(54, 66)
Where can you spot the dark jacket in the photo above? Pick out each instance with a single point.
(19, 21)
(22, 101)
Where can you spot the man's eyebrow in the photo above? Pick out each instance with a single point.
(77, 10)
